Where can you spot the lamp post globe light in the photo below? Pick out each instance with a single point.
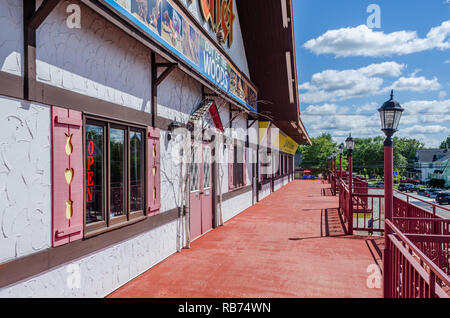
(334, 160)
(390, 114)
(350, 145)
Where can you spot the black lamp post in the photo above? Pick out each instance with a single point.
(390, 114)
(333, 156)
(350, 145)
(329, 168)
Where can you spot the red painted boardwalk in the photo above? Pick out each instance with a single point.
(287, 245)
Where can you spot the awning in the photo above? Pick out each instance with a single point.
(267, 29)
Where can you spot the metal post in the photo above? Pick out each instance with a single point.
(350, 194)
(388, 209)
(340, 166)
(334, 175)
(329, 171)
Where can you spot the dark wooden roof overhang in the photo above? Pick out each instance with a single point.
(267, 39)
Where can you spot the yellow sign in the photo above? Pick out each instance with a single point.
(287, 144)
(279, 141)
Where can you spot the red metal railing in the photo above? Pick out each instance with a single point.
(344, 201)
(418, 240)
(412, 273)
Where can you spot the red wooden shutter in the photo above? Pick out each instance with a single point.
(67, 176)
(230, 167)
(153, 171)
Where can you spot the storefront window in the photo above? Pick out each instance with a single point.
(238, 165)
(136, 171)
(115, 172)
(117, 164)
(194, 171)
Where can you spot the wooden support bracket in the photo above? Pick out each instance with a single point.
(39, 16)
(169, 68)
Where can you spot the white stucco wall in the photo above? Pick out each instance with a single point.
(235, 206)
(237, 49)
(102, 272)
(179, 95)
(25, 178)
(98, 59)
(265, 191)
(11, 39)
(101, 61)
(278, 184)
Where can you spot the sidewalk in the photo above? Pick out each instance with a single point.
(290, 244)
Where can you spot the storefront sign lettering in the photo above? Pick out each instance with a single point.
(219, 14)
(165, 22)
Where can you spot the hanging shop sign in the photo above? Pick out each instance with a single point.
(169, 26)
(271, 136)
(287, 144)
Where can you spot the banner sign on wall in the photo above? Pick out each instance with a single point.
(165, 23)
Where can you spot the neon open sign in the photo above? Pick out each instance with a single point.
(90, 173)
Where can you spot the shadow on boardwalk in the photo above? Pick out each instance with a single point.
(291, 244)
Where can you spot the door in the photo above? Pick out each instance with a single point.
(206, 193)
(201, 216)
(195, 199)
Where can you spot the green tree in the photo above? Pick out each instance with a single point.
(368, 156)
(445, 143)
(315, 157)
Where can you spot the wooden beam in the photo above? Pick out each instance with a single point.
(154, 102)
(29, 44)
(166, 73)
(39, 16)
(253, 122)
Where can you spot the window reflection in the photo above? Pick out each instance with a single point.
(117, 159)
(136, 171)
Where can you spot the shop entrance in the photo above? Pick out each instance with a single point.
(201, 196)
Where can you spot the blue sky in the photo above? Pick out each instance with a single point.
(346, 69)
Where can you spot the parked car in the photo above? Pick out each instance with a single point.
(407, 187)
(434, 192)
(424, 192)
(379, 185)
(413, 181)
(442, 197)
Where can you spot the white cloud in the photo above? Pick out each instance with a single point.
(417, 70)
(363, 41)
(427, 107)
(447, 62)
(442, 94)
(332, 85)
(416, 84)
(325, 109)
(426, 130)
(370, 107)
(426, 121)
